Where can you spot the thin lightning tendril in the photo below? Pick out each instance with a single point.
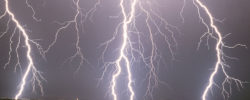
(33, 11)
(152, 73)
(64, 26)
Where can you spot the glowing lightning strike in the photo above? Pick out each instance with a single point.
(30, 68)
(220, 63)
(132, 46)
(133, 50)
(36, 75)
(126, 20)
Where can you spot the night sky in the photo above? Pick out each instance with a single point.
(183, 78)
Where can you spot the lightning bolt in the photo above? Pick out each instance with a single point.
(131, 50)
(36, 75)
(213, 31)
(125, 52)
(65, 25)
(78, 48)
(126, 20)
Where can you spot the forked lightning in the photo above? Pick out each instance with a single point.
(30, 69)
(133, 49)
(213, 32)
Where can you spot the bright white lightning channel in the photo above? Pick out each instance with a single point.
(220, 63)
(133, 50)
(36, 75)
(126, 20)
(130, 52)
